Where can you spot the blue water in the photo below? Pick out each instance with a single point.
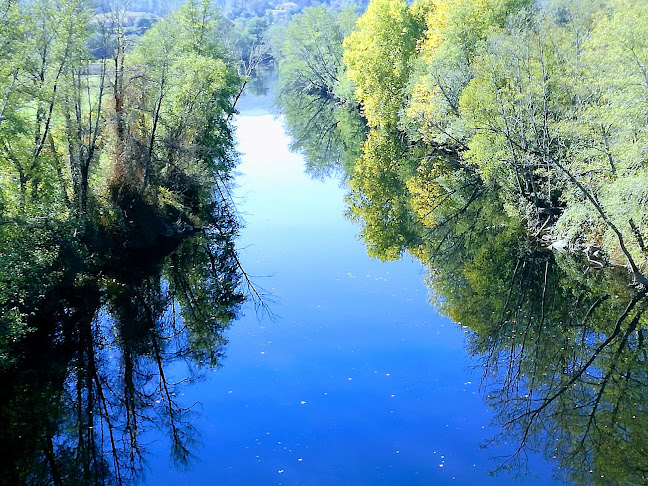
(357, 380)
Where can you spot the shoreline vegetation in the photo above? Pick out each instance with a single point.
(118, 265)
(502, 143)
(432, 107)
(116, 137)
(102, 155)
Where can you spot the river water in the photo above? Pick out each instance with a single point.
(355, 379)
(147, 365)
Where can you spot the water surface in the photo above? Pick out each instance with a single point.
(150, 368)
(357, 380)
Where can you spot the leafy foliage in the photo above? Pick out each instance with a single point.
(122, 151)
(321, 114)
(543, 103)
(377, 56)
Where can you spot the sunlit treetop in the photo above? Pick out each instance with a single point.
(377, 57)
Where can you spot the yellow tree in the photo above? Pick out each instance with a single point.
(454, 31)
(377, 56)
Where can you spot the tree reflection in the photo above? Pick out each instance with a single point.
(561, 345)
(560, 341)
(103, 369)
(565, 368)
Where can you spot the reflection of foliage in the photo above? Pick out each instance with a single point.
(98, 156)
(565, 370)
(93, 377)
(561, 344)
(30, 269)
(562, 351)
(378, 198)
(509, 119)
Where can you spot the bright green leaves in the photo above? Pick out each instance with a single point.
(544, 105)
(556, 105)
(42, 55)
(200, 26)
(153, 124)
(71, 124)
(409, 66)
(616, 63)
(511, 106)
(378, 198)
(377, 56)
(11, 35)
(455, 32)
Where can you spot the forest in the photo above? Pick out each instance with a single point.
(502, 143)
(429, 107)
(492, 140)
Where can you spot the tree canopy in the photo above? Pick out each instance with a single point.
(121, 151)
(540, 103)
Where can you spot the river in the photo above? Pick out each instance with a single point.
(484, 359)
(356, 379)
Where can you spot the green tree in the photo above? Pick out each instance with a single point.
(377, 56)
(610, 132)
(179, 105)
(321, 114)
(454, 33)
